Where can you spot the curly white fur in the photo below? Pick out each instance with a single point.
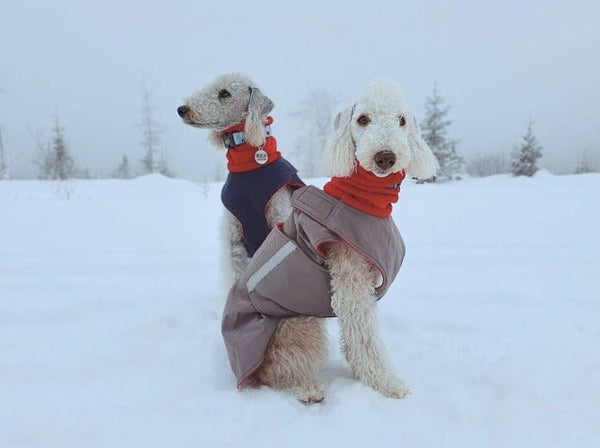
(391, 127)
(353, 299)
(226, 101)
(295, 356)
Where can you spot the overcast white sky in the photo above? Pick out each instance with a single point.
(496, 63)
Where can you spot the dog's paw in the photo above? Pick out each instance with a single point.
(397, 392)
(311, 393)
(391, 388)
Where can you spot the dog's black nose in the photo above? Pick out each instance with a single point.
(385, 159)
(182, 110)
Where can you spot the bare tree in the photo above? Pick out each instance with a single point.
(123, 171)
(218, 173)
(315, 117)
(163, 167)
(482, 165)
(82, 173)
(42, 157)
(150, 131)
(583, 164)
(4, 172)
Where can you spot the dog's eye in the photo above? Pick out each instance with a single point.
(402, 120)
(363, 120)
(224, 94)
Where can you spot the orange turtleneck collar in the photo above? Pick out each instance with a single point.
(242, 157)
(366, 192)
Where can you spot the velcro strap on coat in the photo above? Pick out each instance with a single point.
(315, 203)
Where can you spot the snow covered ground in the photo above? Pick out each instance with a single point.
(110, 322)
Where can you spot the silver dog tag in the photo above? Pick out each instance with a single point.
(261, 156)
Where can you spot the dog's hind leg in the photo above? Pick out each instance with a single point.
(354, 302)
(295, 357)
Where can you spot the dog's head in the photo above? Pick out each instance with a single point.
(226, 101)
(381, 134)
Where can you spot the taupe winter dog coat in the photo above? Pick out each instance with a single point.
(287, 275)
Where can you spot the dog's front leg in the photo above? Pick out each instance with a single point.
(353, 300)
(234, 257)
(279, 207)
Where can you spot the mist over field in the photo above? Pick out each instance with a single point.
(496, 64)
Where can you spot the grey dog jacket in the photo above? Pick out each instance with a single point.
(287, 276)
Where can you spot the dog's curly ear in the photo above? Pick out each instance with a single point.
(423, 164)
(259, 107)
(339, 151)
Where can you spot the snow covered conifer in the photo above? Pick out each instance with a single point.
(63, 165)
(435, 129)
(524, 161)
(54, 159)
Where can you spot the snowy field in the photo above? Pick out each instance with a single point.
(110, 322)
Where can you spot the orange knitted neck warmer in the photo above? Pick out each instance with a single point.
(366, 192)
(242, 158)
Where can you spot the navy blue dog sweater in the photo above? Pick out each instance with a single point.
(247, 194)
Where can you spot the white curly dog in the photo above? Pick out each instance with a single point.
(229, 100)
(379, 134)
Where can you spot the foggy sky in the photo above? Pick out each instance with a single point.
(496, 63)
